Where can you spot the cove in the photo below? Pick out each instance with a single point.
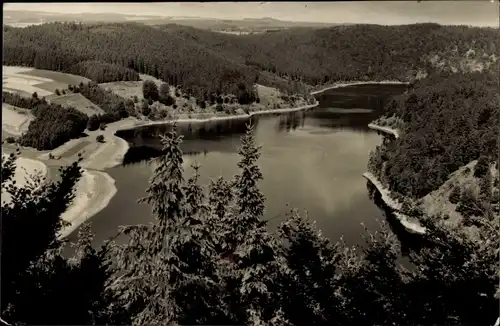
(311, 160)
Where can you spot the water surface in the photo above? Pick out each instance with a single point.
(311, 161)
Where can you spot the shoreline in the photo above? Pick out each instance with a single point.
(356, 83)
(410, 226)
(384, 129)
(93, 193)
(215, 118)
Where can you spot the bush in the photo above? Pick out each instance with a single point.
(482, 167)
(145, 109)
(58, 92)
(150, 90)
(10, 140)
(100, 138)
(455, 195)
(93, 123)
(102, 126)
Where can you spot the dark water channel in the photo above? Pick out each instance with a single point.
(311, 161)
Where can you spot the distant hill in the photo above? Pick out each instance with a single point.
(23, 18)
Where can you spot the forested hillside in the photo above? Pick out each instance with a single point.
(147, 50)
(204, 62)
(372, 52)
(449, 121)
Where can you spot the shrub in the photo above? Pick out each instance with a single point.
(150, 90)
(58, 92)
(100, 138)
(455, 195)
(93, 123)
(10, 140)
(481, 167)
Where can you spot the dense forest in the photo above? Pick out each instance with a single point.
(204, 62)
(102, 72)
(209, 259)
(449, 121)
(53, 124)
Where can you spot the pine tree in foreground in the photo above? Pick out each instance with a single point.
(39, 284)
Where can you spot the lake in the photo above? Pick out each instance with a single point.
(310, 160)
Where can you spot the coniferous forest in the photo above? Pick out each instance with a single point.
(209, 258)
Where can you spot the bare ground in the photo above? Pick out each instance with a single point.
(77, 101)
(15, 120)
(94, 192)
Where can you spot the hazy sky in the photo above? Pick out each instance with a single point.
(479, 12)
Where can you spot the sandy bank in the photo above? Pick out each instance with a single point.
(406, 221)
(93, 193)
(25, 168)
(108, 154)
(355, 83)
(388, 130)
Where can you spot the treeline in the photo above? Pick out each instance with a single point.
(60, 58)
(102, 72)
(53, 124)
(21, 101)
(449, 121)
(222, 266)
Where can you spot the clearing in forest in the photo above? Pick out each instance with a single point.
(270, 98)
(125, 89)
(26, 81)
(129, 89)
(15, 120)
(77, 101)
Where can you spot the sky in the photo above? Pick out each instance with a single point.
(458, 12)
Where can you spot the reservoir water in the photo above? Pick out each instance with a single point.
(310, 160)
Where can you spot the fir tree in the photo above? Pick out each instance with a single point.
(309, 293)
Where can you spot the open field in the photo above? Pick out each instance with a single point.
(15, 120)
(125, 89)
(128, 89)
(60, 78)
(77, 101)
(25, 80)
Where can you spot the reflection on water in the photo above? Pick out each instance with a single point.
(310, 160)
